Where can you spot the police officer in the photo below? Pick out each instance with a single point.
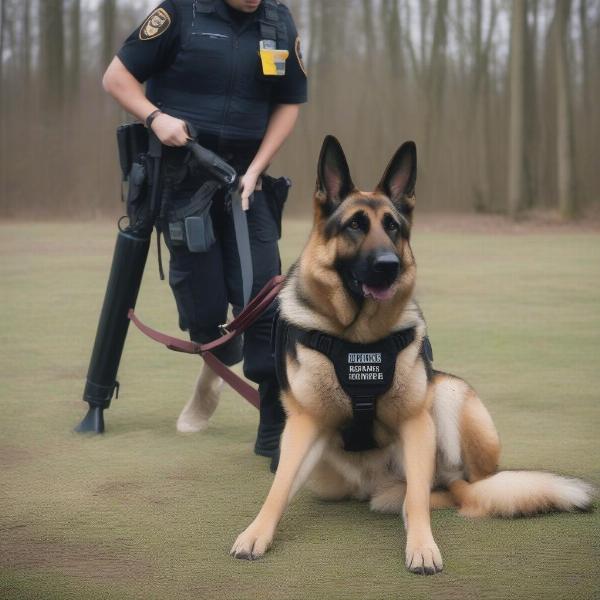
(233, 69)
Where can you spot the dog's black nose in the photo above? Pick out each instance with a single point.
(386, 266)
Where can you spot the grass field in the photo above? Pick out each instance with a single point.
(144, 512)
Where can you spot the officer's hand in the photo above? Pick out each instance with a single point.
(247, 185)
(170, 131)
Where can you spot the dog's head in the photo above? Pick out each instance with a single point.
(367, 234)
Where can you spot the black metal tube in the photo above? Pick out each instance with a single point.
(124, 282)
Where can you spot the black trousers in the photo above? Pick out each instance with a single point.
(206, 283)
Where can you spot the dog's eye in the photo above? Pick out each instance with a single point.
(358, 222)
(390, 224)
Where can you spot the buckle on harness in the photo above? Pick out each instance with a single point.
(363, 404)
(223, 330)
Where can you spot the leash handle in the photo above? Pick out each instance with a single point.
(212, 162)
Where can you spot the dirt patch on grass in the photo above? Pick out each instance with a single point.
(126, 491)
(11, 456)
(21, 551)
(113, 488)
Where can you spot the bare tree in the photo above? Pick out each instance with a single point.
(585, 54)
(437, 72)
(26, 45)
(75, 51)
(3, 5)
(479, 105)
(567, 200)
(516, 150)
(109, 19)
(52, 53)
(531, 105)
(392, 31)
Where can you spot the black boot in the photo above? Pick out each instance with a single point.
(272, 420)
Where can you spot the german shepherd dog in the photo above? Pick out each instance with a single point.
(437, 444)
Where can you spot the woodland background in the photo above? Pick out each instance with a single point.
(501, 98)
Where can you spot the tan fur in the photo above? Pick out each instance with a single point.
(480, 443)
(431, 433)
(204, 400)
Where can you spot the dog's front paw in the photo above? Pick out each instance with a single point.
(423, 558)
(252, 543)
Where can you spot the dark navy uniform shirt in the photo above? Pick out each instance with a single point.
(204, 66)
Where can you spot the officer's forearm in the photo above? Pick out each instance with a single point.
(281, 124)
(126, 90)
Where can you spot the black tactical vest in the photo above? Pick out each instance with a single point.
(216, 80)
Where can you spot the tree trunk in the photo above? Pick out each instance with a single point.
(531, 129)
(390, 23)
(516, 145)
(3, 11)
(75, 64)
(585, 56)
(52, 53)
(436, 75)
(27, 43)
(109, 10)
(567, 201)
(314, 21)
(479, 113)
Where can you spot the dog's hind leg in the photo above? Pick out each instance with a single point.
(200, 407)
(300, 436)
(480, 448)
(480, 444)
(507, 493)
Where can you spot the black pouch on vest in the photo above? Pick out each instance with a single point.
(192, 225)
(276, 193)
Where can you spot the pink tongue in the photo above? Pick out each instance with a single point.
(378, 293)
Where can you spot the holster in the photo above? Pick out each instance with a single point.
(138, 164)
(276, 193)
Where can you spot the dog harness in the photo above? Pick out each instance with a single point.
(364, 371)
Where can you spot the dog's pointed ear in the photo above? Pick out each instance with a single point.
(399, 178)
(333, 176)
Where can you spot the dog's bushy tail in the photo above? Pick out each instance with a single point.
(520, 493)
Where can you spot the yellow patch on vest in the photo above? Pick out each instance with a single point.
(156, 24)
(273, 62)
(299, 56)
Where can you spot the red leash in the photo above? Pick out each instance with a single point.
(248, 316)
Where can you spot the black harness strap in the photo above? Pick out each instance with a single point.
(364, 371)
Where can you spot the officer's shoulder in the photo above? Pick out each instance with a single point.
(174, 8)
(282, 7)
(284, 11)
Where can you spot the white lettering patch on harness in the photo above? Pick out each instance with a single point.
(364, 357)
(364, 366)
